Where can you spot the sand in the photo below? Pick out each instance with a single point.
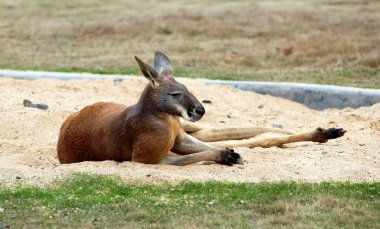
(28, 136)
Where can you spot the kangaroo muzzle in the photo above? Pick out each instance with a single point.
(196, 113)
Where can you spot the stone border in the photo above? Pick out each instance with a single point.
(314, 96)
(311, 95)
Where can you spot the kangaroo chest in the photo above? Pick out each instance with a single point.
(155, 140)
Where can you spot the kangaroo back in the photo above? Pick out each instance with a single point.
(91, 134)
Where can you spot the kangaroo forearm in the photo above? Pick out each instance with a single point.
(187, 144)
(208, 155)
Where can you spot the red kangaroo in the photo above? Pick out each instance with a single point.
(162, 121)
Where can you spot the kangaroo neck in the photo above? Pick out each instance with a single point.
(147, 105)
(147, 102)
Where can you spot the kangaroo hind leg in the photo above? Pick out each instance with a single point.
(233, 133)
(211, 134)
(319, 135)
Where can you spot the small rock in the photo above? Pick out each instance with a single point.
(28, 103)
(362, 144)
(212, 202)
(229, 58)
(18, 177)
(277, 125)
(206, 101)
(148, 175)
(222, 121)
(229, 116)
(288, 51)
(261, 106)
(117, 82)
(1, 210)
(254, 222)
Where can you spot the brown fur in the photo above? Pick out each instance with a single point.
(110, 131)
(147, 131)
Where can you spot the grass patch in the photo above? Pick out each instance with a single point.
(163, 30)
(364, 77)
(101, 201)
(237, 40)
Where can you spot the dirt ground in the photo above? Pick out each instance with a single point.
(28, 136)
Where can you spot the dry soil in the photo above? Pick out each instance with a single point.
(28, 136)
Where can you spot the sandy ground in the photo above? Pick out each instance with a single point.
(28, 136)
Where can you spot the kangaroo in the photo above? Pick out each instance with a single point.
(162, 121)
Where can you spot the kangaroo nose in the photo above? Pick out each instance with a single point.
(200, 110)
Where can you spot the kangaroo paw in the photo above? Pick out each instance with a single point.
(229, 157)
(322, 135)
(333, 133)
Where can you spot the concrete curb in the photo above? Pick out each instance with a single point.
(32, 75)
(315, 96)
(311, 95)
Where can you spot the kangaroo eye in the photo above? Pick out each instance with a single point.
(175, 93)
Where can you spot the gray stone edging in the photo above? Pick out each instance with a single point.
(311, 95)
(314, 96)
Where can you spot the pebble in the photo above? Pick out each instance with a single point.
(212, 202)
(277, 125)
(117, 82)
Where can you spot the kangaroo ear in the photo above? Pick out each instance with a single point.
(149, 72)
(162, 64)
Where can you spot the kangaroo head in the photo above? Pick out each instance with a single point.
(169, 96)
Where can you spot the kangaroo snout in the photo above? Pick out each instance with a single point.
(200, 110)
(196, 113)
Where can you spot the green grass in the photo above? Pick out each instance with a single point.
(207, 39)
(163, 30)
(100, 201)
(364, 77)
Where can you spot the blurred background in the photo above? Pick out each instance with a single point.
(315, 41)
